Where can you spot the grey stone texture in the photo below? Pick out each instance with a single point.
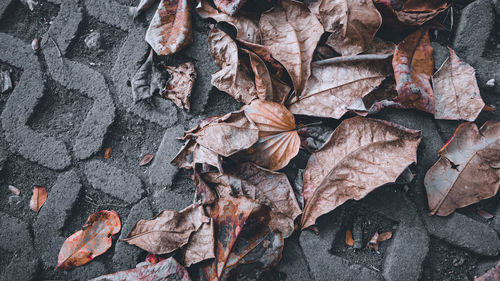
(293, 262)
(126, 256)
(162, 172)
(110, 12)
(113, 181)
(65, 26)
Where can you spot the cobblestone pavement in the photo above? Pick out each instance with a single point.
(70, 103)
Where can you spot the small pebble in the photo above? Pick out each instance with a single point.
(93, 40)
(491, 82)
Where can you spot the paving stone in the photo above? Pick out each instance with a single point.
(126, 256)
(91, 270)
(15, 52)
(110, 12)
(474, 28)
(3, 6)
(114, 181)
(76, 76)
(21, 267)
(3, 152)
(132, 54)
(162, 172)
(485, 265)
(167, 199)
(64, 26)
(485, 70)
(204, 64)
(440, 54)
(464, 232)
(53, 215)
(293, 263)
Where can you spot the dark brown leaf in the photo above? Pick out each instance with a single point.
(467, 169)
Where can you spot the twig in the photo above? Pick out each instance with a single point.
(352, 58)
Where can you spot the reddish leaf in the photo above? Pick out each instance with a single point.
(170, 29)
(413, 64)
(14, 190)
(229, 7)
(384, 236)
(165, 270)
(467, 170)
(38, 198)
(348, 238)
(91, 241)
(154, 259)
(492, 274)
(108, 152)
(146, 159)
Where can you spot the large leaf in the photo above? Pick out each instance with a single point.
(409, 13)
(168, 231)
(200, 246)
(353, 24)
(165, 270)
(456, 90)
(292, 32)
(467, 170)
(361, 155)
(246, 29)
(278, 140)
(332, 88)
(413, 64)
(92, 240)
(170, 29)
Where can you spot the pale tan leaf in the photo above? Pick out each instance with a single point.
(456, 91)
(361, 155)
(291, 32)
(180, 85)
(467, 170)
(200, 246)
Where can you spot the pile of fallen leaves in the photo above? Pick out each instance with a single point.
(283, 58)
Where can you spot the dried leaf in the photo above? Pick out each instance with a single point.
(485, 215)
(146, 159)
(353, 24)
(140, 8)
(14, 190)
(361, 155)
(264, 54)
(180, 85)
(91, 241)
(384, 236)
(413, 64)
(410, 12)
(229, 7)
(348, 238)
(246, 29)
(291, 32)
(191, 153)
(491, 275)
(170, 29)
(373, 243)
(168, 231)
(456, 90)
(166, 270)
(200, 246)
(147, 80)
(333, 88)
(278, 140)
(38, 198)
(204, 195)
(108, 152)
(467, 169)
(234, 77)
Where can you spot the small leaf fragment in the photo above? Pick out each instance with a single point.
(14, 190)
(384, 236)
(108, 152)
(91, 241)
(485, 215)
(348, 238)
(229, 7)
(38, 198)
(146, 159)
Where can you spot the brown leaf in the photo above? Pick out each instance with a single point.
(168, 231)
(467, 169)
(38, 198)
(410, 12)
(373, 243)
(229, 7)
(353, 24)
(191, 153)
(264, 53)
(361, 155)
(456, 90)
(491, 275)
(204, 195)
(333, 88)
(108, 152)
(170, 29)
(166, 270)
(413, 64)
(147, 80)
(246, 29)
(91, 241)
(146, 159)
(348, 238)
(180, 85)
(200, 246)
(278, 140)
(140, 8)
(14, 190)
(291, 32)
(384, 236)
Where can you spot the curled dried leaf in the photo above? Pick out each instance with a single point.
(170, 29)
(361, 155)
(168, 231)
(180, 85)
(38, 198)
(467, 170)
(456, 90)
(91, 241)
